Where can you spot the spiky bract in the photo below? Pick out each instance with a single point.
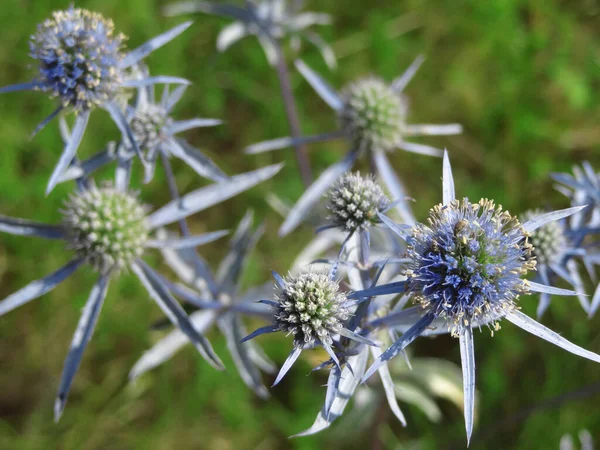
(549, 241)
(107, 227)
(468, 263)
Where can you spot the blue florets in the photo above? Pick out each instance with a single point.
(468, 263)
(79, 57)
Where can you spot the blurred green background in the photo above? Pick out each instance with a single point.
(523, 77)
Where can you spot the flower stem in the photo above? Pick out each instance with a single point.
(292, 115)
(183, 226)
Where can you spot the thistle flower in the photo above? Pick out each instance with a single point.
(269, 21)
(311, 308)
(82, 63)
(372, 118)
(466, 269)
(155, 132)
(372, 115)
(219, 302)
(108, 228)
(354, 202)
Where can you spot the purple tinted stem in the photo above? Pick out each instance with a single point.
(292, 114)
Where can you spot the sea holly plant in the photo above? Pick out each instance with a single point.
(372, 119)
(109, 229)
(271, 22)
(218, 302)
(156, 133)
(82, 63)
(311, 307)
(343, 381)
(467, 269)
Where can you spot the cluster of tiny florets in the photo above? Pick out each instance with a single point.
(354, 202)
(147, 125)
(310, 307)
(79, 56)
(373, 115)
(468, 263)
(549, 241)
(107, 227)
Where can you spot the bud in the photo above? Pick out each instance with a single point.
(354, 202)
(549, 241)
(373, 115)
(107, 227)
(311, 307)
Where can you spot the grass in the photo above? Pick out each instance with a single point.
(523, 78)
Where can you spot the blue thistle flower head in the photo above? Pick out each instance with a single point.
(79, 58)
(468, 262)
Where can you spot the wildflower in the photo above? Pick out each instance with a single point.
(108, 228)
(269, 21)
(82, 63)
(372, 118)
(311, 308)
(156, 132)
(466, 269)
(220, 303)
(554, 253)
(354, 202)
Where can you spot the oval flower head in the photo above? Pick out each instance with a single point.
(467, 268)
(269, 21)
(311, 308)
(110, 229)
(355, 202)
(372, 116)
(82, 63)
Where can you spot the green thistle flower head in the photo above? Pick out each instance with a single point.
(354, 202)
(107, 227)
(549, 241)
(311, 307)
(373, 115)
(147, 126)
